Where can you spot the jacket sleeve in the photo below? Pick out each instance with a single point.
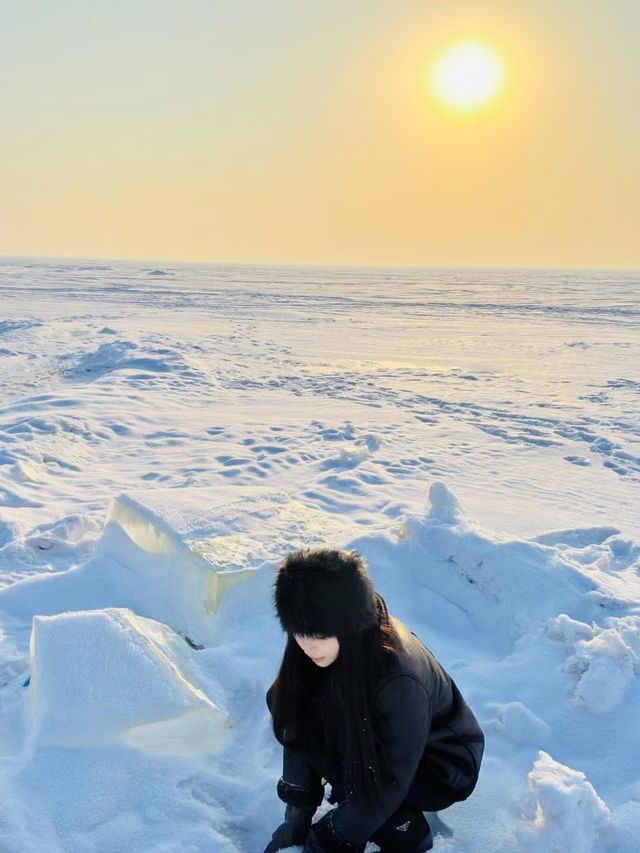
(403, 709)
(300, 784)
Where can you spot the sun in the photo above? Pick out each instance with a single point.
(467, 76)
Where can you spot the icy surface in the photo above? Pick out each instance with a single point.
(136, 687)
(169, 432)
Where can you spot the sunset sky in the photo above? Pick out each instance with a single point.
(309, 131)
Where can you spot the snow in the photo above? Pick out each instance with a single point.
(137, 692)
(563, 810)
(169, 432)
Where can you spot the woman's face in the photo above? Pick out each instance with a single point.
(322, 650)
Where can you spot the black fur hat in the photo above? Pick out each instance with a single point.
(324, 592)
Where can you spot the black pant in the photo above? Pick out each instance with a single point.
(308, 766)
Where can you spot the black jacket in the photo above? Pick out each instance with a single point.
(428, 733)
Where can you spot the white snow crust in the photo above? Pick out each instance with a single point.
(169, 432)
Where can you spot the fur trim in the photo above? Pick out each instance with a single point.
(324, 592)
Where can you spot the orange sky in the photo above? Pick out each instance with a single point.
(301, 132)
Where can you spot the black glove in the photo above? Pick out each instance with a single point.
(294, 830)
(323, 839)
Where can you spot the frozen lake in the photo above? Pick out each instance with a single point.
(338, 397)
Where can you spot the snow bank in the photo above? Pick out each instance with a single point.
(563, 812)
(515, 586)
(128, 355)
(606, 658)
(171, 555)
(102, 676)
(164, 554)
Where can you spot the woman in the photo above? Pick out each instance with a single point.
(361, 703)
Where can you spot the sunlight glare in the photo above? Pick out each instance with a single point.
(467, 76)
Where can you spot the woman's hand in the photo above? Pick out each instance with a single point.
(294, 830)
(322, 839)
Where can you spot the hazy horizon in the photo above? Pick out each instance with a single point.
(310, 264)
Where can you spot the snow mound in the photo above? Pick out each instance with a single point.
(119, 355)
(162, 555)
(580, 537)
(70, 537)
(564, 629)
(515, 586)
(88, 671)
(517, 723)
(444, 506)
(9, 531)
(204, 542)
(8, 326)
(172, 555)
(606, 658)
(563, 812)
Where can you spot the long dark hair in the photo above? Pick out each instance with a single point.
(332, 708)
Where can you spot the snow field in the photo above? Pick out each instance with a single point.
(168, 434)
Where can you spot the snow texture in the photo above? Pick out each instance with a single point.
(169, 432)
